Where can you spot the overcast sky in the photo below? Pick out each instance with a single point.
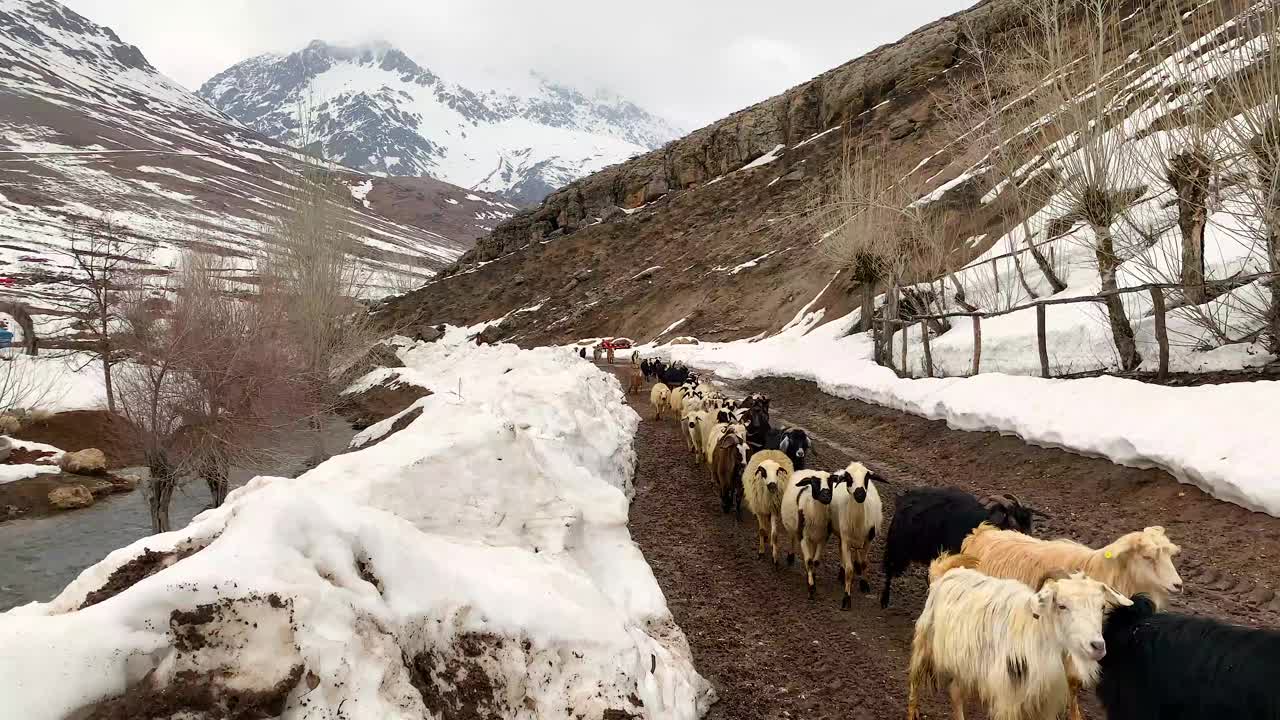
(691, 61)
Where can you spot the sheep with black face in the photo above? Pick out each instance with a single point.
(806, 517)
(856, 516)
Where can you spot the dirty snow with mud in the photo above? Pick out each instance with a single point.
(480, 556)
(1217, 437)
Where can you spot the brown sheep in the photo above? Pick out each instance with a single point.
(728, 459)
(636, 383)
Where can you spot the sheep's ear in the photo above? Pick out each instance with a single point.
(1042, 601)
(805, 482)
(761, 472)
(877, 477)
(1115, 598)
(786, 443)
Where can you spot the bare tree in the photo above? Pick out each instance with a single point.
(989, 110)
(1076, 59)
(213, 383)
(309, 272)
(1244, 67)
(105, 262)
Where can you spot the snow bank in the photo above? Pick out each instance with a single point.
(1217, 437)
(479, 556)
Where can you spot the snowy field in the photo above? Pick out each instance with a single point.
(490, 534)
(1216, 437)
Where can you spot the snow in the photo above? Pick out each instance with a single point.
(10, 473)
(361, 191)
(673, 326)
(750, 263)
(766, 158)
(501, 511)
(1129, 422)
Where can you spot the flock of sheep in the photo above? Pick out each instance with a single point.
(1017, 623)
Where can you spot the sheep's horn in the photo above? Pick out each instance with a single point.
(1041, 513)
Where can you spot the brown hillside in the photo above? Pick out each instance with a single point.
(578, 254)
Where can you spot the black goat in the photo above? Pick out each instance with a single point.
(1168, 666)
(674, 374)
(793, 442)
(927, 521)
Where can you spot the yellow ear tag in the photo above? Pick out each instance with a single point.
(1108, 555)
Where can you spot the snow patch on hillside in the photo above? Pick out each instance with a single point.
(488, 536)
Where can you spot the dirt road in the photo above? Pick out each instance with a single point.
(772, 653)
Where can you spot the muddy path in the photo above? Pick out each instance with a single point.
(772, 653)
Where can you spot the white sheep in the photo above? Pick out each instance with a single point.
(806, 516)
(1001, 641)
(693, 402)
(660, 398)
(676, 402)
(856, 516)
(763, 482)
(693, 431)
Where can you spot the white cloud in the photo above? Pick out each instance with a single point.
(692, 61)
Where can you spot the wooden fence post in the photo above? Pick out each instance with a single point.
(928, 355)
(977, 343)
(887, 355)
(1162, 333)
(995, 275)
(906, 369)
(1040, 338)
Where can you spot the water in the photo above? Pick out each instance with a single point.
(40, 556)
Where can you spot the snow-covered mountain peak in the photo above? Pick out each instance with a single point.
(375, 108)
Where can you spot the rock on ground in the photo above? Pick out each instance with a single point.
(90, 461)
(70, 497)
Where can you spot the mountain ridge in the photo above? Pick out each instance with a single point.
(373, 108)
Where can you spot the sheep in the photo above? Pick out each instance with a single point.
(676, 402)
(728, 459)
(693, 402)
(715, 425)
(636, 382)
(693, 432)
(763, 482)
(1137, 562)
(806, 516)
(856, 516)
(929, 520)
(659, 396)
(1177, 667)
(719, 430)
(1003, 642)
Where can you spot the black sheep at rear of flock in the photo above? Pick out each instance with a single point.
(1166, 666)
(927, 521)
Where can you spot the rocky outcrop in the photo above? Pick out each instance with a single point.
(70, 497)
(831, 99)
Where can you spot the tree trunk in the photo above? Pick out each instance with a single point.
(868, 306)
(1273, 319)
(1022, 276)
(1121, 330)
(1189, 173)
(217, 476)
(960, 297)
(161, 485)
(1192, 256)
(1046, 267)
(106, 378)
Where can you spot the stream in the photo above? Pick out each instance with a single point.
(40, 556)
